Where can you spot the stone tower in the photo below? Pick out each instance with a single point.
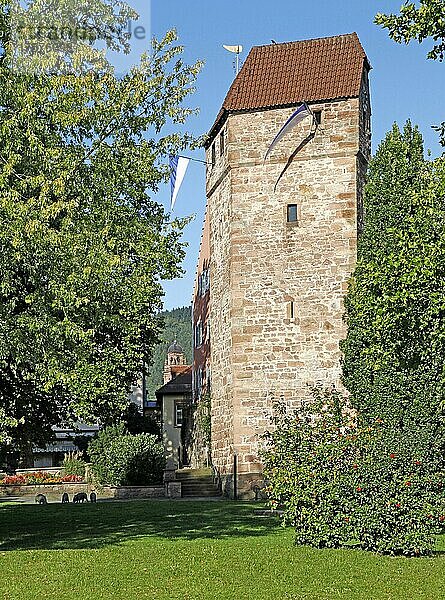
(281, 254)
(175, 358)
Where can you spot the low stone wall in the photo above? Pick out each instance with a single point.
(133, 492)
(54, 491)
(51, 490)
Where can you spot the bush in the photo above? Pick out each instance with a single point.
(123, 459)
(98, 450)
(304, 464)
(397, 494)
(73, 464)
(340, 483)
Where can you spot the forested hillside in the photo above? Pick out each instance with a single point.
(178, 326)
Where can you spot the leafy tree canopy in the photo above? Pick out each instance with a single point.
(427, 21)
(83, 244)
(395, 308)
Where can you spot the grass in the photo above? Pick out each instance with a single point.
(189, 550)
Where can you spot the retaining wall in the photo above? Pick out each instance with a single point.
(54, 491)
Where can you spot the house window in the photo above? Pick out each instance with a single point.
(203, 282)
(199, 383)
(317, 117)
(179, 415)
(222, 142)
(213, 155)
(292, 213)
(198, 334)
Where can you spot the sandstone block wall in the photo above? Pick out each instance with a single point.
(262, 346)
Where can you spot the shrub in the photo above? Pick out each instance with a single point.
(127, 459)
(340, 483)
(304, 463)
(396, 494)
(73, 464)
(99, 448)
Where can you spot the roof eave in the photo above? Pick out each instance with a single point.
(172, 391)
(219, 122)
(224, 113)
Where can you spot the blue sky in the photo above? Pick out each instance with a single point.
(404, 84)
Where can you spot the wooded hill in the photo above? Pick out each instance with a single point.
(178, 326)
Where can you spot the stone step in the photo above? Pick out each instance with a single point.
(206, 481)
(201, 492)
(196, 486)
(200, 474)
(197, 482)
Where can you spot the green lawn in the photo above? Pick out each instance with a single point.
(189, 550)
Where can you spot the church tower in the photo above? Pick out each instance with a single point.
(282, 235)
(175, 358)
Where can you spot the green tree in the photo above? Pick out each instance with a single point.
(394, 352)
(419, 23)
(84, 246)
(135, 422)
(393, 355)
(61, 35)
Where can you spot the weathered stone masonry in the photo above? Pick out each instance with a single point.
(277, 288)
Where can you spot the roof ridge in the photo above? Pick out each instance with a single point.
(318, 39)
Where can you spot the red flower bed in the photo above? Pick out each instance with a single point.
(39, 477)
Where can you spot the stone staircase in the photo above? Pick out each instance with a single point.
(197, 483)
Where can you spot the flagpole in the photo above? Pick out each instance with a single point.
(204, 162)
(314, 121)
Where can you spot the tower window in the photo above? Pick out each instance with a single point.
(292, 213)
(222, 142)
(317, 117)
(213, 155)
(203, 282)
(292, 310)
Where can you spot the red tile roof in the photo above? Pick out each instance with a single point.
(182, 384)
(285, 74)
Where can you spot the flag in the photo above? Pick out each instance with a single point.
(178, 165)
(302, 112)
